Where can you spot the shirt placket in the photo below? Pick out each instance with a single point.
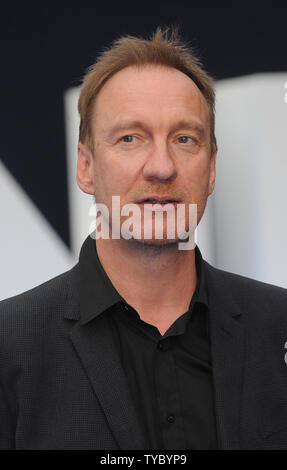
(168, 397)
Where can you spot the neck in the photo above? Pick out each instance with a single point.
(157, 281)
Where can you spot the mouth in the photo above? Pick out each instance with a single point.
(159, 204)
(159, 200)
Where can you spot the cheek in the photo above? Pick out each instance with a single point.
(198, 179)
(112, 177)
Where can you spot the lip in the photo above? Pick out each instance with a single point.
(165, 197)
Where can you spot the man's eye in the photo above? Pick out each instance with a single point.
(127, 138)
(184, 139)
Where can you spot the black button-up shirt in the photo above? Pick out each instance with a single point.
(169, 376)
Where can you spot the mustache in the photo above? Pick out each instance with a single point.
(160, 190)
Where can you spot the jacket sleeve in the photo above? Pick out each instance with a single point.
(7, 437)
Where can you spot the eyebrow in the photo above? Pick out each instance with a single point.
(189, 125)
(182, 124)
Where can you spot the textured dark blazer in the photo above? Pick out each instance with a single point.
(62, 385)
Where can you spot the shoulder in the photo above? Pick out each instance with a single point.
(33, 329)
(38, 303)
(240, 282)
(252, 296)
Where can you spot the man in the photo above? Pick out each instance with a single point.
(143, 345)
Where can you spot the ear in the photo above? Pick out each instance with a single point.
(85, 169)
(212, 172)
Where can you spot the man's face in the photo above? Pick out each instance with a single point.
(151, 137)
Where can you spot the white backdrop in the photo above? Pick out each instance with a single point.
(244, 227)
(30, 250)
(250, 196)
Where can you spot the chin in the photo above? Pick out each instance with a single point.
(155, 243)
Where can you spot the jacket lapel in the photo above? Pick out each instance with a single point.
(94, 344)
(95, 347)
(227, 348)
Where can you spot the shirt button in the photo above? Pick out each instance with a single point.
(163, 345)
(171, 418)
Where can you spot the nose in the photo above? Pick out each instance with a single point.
(160, 164)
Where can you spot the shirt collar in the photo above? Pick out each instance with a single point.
(97, 293)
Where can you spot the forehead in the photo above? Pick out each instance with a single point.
(157, 93)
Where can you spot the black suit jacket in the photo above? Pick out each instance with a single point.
(62, 385)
